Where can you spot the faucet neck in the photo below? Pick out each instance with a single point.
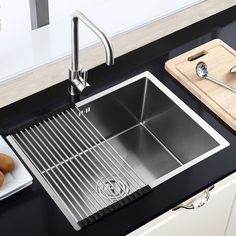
(76, 73)
(75, 43)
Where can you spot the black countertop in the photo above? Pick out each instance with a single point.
(33, 212)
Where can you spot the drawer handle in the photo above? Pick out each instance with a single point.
(198, 202)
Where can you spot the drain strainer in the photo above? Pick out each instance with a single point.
(112, 188)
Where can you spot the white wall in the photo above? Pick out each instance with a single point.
(21, 49)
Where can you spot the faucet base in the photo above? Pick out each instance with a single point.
(78, 81)
(73, 91)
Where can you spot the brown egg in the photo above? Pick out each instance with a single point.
(6, 163)
(1, 178)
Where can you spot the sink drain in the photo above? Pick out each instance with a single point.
(112, 188)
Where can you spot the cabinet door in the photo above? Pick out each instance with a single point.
(208, 220)
(231, 227)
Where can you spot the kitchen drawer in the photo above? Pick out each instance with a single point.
(210, 219)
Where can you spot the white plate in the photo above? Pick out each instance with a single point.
(18, 179)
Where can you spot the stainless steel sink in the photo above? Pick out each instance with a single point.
(154, 130)
(134, 134)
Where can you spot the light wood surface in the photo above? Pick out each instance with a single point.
(45, 76)
(219, 58)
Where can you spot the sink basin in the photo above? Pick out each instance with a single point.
(157, 134)
(113, 145)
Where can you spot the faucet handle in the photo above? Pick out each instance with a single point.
(84, 75)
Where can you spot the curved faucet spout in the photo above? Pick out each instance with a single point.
(77, 15)
(77, 76)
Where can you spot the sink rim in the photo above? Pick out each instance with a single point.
(187, 110)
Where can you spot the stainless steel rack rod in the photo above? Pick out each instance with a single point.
(66, 179)
(111, 159)
(77, 169)
(100, 148)
(81, 149)
(71, 169)
(89, 149)
(81, 158)
(63, 193)
(74, 160)
(115, 172)
(46, 172)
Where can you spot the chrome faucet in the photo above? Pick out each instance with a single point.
(77, 75)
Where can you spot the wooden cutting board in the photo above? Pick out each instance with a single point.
(220, 58)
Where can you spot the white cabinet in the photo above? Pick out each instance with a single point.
(231, 227)
(216, 218)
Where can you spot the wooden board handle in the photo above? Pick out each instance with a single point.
(197, 55)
